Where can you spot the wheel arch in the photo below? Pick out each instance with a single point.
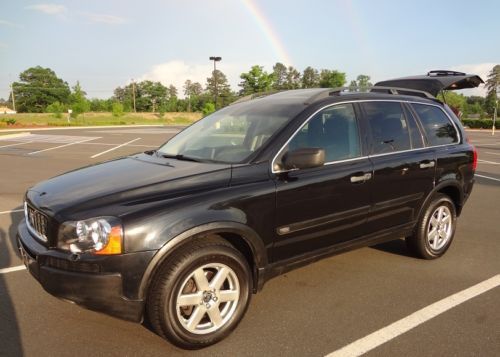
(242, 237)
(450, 188)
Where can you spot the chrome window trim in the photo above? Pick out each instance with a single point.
(459, 137)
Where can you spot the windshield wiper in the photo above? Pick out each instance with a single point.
(180, 157)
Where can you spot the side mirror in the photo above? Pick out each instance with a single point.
(304, 158)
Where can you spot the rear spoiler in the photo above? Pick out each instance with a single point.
(435, 81)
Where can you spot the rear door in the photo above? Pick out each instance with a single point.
(319, 207)
(404, 169)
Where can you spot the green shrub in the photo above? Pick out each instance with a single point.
(56, 109)
(208, 108)
(9, 121)
(480, 123)
(117, 109)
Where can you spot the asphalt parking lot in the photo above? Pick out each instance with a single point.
(312, 311)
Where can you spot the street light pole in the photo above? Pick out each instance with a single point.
(496, 107)
(216, 94)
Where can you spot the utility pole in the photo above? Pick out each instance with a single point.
(496, 107)
(12, 95)
(215, 59)
(133, 94)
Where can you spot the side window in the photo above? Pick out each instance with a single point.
(389, 127)
(437, 125)
(334, 129)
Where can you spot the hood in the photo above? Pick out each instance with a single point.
(435, 81)
(125, 180)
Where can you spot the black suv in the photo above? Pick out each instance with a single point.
(183, 235)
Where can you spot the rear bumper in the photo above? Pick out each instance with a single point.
(58, 274)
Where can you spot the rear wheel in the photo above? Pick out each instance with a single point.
(435, 229)
(200, 294)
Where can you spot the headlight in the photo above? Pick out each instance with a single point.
(100, 235)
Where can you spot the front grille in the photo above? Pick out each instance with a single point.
(37, 222)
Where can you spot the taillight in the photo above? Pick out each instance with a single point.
(474, 155)
(474, 158)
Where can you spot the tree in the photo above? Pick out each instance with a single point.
(100, 105)
(364, 82)
(353, 86)
(192, 91)
(454, 100)
(492, 85)
(255, 81)
(223, 88)
(292, 78)
(493, 80)
(331, 79)
(310, 78)
(279, 76)
(150, 96)
(78, 103)
(38, 87)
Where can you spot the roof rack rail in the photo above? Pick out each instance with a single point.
(327, 92)
(444, 72)
(255, 96)
(401, 91)
(380, 89)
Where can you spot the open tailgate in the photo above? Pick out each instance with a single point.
(435, 81)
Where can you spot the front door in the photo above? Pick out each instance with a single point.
(319, 207)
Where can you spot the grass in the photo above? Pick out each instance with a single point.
(87, 119)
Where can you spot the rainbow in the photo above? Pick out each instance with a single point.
(268, 31)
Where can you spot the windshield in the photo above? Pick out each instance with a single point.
(232, 134)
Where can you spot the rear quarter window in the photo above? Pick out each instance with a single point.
(436, 124)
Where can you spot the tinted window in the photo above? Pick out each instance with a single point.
(335, 130)
(389, 127)
(436, 124)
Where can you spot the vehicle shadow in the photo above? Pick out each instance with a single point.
(10, 336)
(397, 247)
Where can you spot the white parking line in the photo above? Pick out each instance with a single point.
(12, 269)
(489, 162)
(5, 146)
(409, 322)
(12, 211)
(487, 177)
(62, 146)
(116, 147)
(133, 145)
(492, 153)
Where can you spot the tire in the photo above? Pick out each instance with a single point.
(200, 293)
(435, 229)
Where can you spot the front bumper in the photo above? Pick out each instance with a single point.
(91, 283)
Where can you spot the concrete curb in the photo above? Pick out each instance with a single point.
(93, 127)
(15, 135)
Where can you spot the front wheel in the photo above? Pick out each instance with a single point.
(200, 294)
(435, 229)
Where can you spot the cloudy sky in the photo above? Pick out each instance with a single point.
(106, 43)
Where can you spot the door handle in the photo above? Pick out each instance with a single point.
(361, 178)
(427, 164)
